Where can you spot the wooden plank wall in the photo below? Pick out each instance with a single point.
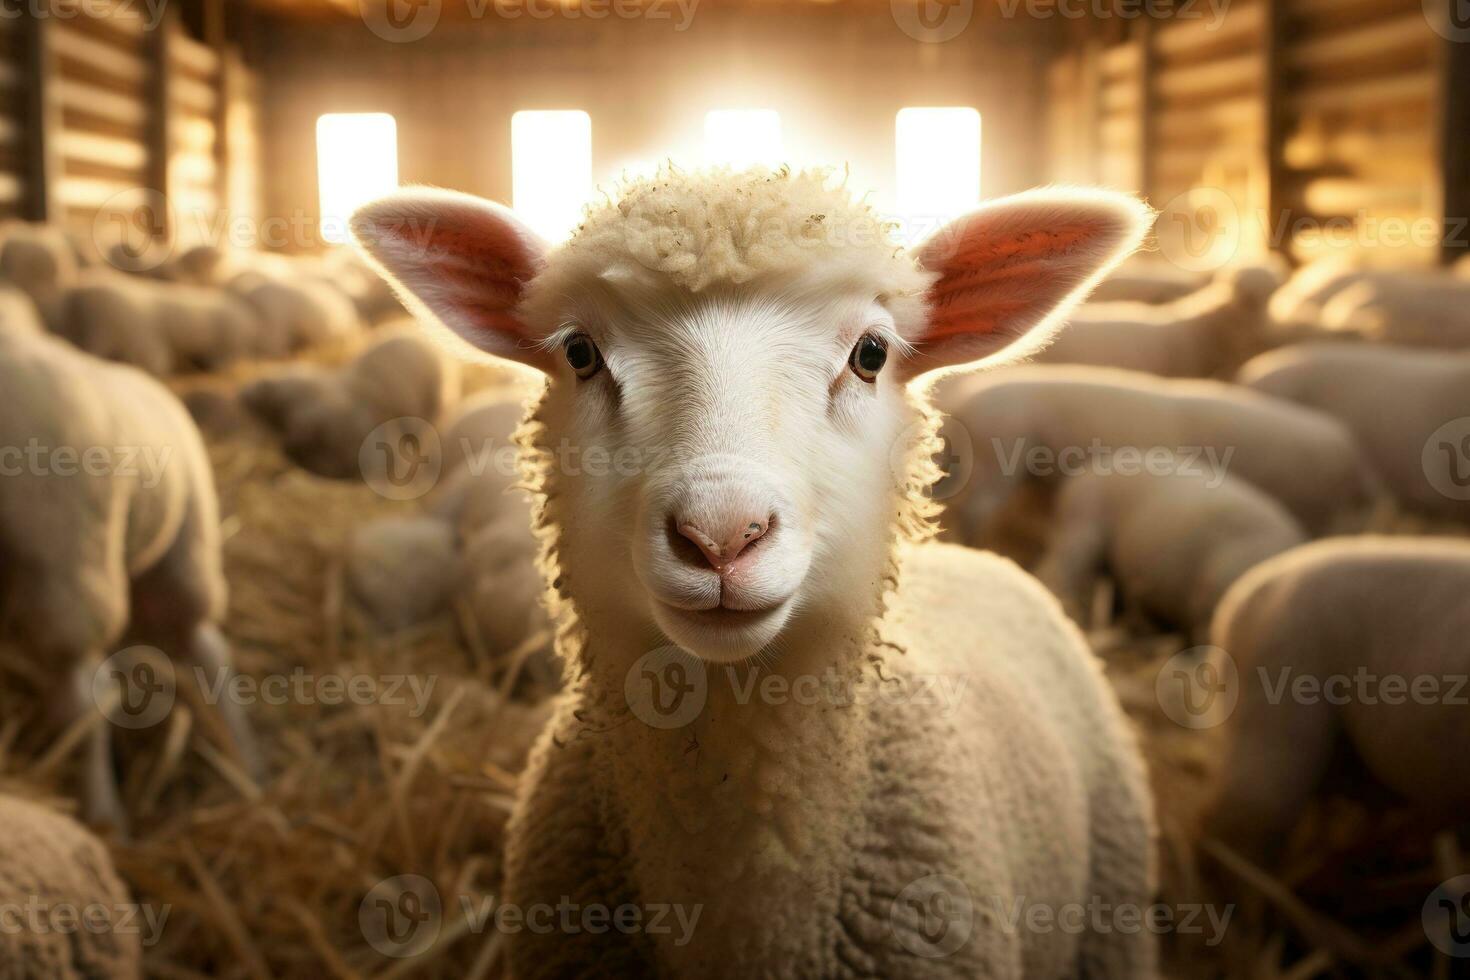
(117, 127)
(1315, 126)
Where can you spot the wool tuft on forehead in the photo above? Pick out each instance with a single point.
(717, 227)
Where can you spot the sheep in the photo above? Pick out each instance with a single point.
(1040, 423)
(1420, 309)
(108, 523)
(1395, 400)
(69, 915)
(1197, 336)
(160, 327)
(1174, 541)
(298, 310)
(716, 335)
(326, 416)
(38, 260)
(402, 570)
(1349, 642)
(1298, 303)
(1147, 281)
(17, 313)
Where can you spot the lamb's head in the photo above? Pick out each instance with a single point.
(728, 359)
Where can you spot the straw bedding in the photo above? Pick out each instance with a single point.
(270, 881)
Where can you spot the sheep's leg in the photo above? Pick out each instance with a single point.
(207, 647)
(1075, 553)
(101, 801)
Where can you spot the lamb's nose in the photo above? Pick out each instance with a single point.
(722, 553)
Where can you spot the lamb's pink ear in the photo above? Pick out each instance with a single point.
(1010, 271)
(463, 259)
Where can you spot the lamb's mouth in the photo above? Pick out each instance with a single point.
(721, 633)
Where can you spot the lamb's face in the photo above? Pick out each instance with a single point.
(722, 455)
(725, 455)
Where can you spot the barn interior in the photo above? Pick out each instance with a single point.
(1308, 161)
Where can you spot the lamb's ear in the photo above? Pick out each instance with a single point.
(463, 259)
(1010, 271)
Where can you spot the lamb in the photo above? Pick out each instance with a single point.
(299, 311)
(1350, 642)
(1041, 423)
(1395, 400)
(1298, 304)
(160, 327)
(326, 416)
(38, 260)
(1174, 541)
(17, 313)
(1198, 336)
(402, 569)
(1419, 309)
(108, 523)
(1147, 281)
(743, 343)
(53, 870)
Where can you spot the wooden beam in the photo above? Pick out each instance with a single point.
(42, 121)
(1276, 118)
(1454, 145)
(160, 108)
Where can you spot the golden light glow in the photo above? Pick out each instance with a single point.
(356, 161)
(938, 162)
(743, 137)
(551, 169)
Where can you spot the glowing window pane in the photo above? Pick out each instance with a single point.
(938, 157)
(743, 137)
(356, 161)
(551, 169)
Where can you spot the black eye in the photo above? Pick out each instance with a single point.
(583, 355)
(869, 356)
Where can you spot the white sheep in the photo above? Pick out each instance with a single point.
(68, 915)
(17, 313)
(1173, 541)
(1395, 400)
(324, 416)
(1042, 423)
(1349, 642)
(734, 350)
(108, 523)
(402, 570)
(1298, 304)
(38, 259)
(161, 327)
(1143, 280)
(1424, 309)
(1199, 335)
(297, 310)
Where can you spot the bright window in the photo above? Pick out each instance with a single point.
(938, 157)
(356, 161)
(743, 137)
(551, 169)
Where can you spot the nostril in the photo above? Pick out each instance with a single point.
(718, 553)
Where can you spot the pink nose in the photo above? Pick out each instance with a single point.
(721, 554)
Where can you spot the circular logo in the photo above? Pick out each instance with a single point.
(1199, 230)
(131, 230)
(666, 687)
(932, 21)
(1199, 687)
(933, 916)
(401, 916)
(1446, 917)
(401, 21)
(1446, 459)
(135, 688)
(401, 459)
(1450, 19)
